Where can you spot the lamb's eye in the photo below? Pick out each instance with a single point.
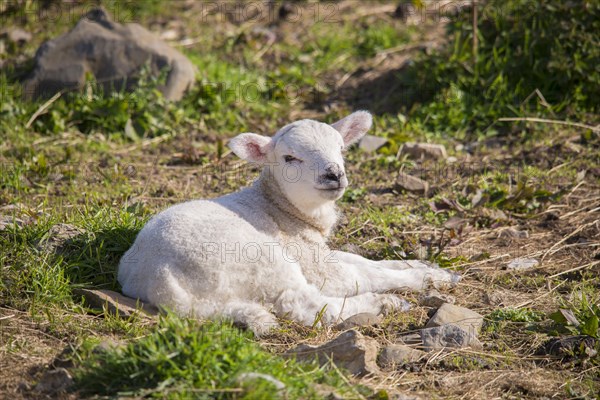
(289, 159)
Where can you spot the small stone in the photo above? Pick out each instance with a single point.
(495, 214)
(358, 320)
(521, 264)
(18, 36)
(433, 298)
(466, 319)
(493, 299)
(7, 221)
(253, 376)
(55, 381)
(398, 354)
(449, 335)
(423, 151)
(350, 350)
(512, 233)
(412, 183)
(371, 144)
(63, 359)
(478, 198)
(115, 303)
(169, 35)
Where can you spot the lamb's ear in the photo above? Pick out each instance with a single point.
(250, 147)
(354, 126)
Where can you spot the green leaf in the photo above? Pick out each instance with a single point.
(558, 318)
(590, 327)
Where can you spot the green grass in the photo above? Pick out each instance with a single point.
(524, 46)
(182, 359)
(524, 317)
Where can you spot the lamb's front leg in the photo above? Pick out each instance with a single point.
(379, 276)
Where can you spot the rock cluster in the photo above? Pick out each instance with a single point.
(451, 326)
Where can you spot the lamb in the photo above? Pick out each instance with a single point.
(262, 253)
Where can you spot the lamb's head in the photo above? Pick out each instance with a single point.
(305, 157)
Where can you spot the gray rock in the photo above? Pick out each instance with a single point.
(423, 151)
(57, 237)
(468, 320)
(399, 354)
(116, 303)
(350, 350)
(522, 264)
(371, 144)
(433, 298)
(358, 320)
(54, 381)
(253, 376)
(412, 183)
(113, 53)
(449, 335)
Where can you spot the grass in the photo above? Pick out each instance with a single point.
(182, 359)
(531, 62)
(105, 163)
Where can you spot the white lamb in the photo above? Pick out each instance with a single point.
(262, 252)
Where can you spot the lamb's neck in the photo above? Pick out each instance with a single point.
(321, 219)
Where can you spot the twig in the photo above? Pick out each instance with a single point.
(552, 121)
(359, 228)
(158, 139)
(539, 297)
(574, 189)
(574, 269)
(399, 49)
(570, 235)
(43, 109)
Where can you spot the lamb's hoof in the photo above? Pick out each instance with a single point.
(449, 280)
(390, 302)
(262, 330)
(261, 325)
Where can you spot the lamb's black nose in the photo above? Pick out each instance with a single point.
(333, 173)
(332, 177)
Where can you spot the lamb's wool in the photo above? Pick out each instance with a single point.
(262, 251)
